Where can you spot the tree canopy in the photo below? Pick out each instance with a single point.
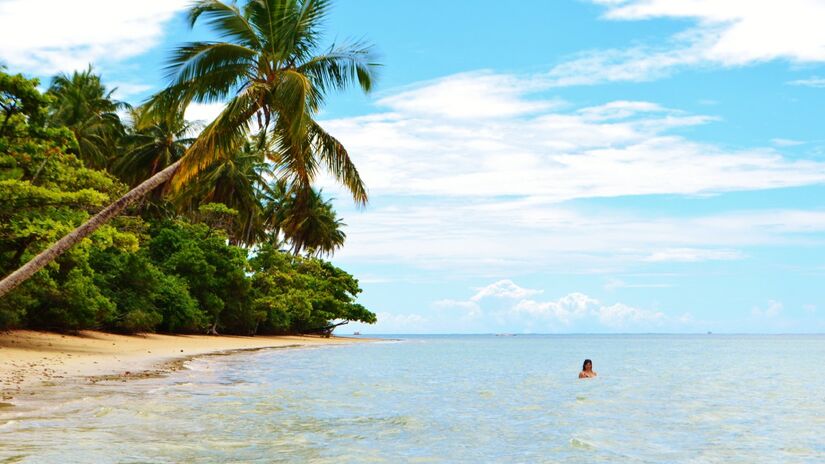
(176, 267)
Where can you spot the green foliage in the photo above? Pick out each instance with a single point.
(303, 294)
(45, 192)
(217, 216)
(21, 104)
(176, 270)
(145, 297)
(213, 269)
(152, 143)
(275, 74)
(83, 104)
(304, 219)
(236, 182)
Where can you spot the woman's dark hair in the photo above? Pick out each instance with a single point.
(586, 362)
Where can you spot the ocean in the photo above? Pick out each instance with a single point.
(449, 399)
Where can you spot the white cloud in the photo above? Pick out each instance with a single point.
(565, 313)
(815, 81)
(622, 316)
(47, 37)
(124, 90)
(429, 146)
(458, 184)
(772, 310)
(503, 289)
(203, 112)
(743, 30)
(621, 109)
(564, 310)
(475, 237)
(692, 255)
(636, 64)
(469, 96)
(726, 33)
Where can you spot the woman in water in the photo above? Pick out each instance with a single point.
(587, 370)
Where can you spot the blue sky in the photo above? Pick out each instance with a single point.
(566, 166)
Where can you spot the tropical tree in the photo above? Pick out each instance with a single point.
(295, 294)
(270, 70)
(83, 104)
(304, 219)
(152, 143)
(276, 81)
(238, 182)
(45, 192)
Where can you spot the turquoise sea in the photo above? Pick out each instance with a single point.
(450, 399)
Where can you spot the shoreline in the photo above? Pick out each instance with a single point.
(30, 359)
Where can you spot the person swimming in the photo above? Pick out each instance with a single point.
(587, 370)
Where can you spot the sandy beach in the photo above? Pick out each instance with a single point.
(29, 358)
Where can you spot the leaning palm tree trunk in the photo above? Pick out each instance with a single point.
(53, 252)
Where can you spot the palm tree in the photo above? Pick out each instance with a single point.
(82, 103)
(237, 182)
(275, 80)
(270, 70)
(152, 143)
(304, 219)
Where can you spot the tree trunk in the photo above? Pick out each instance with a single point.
(214, 329)
(50, 254)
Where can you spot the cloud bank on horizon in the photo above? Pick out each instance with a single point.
(616, 207)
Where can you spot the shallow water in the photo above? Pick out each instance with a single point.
(674, 399)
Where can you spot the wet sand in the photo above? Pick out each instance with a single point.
(29, 358)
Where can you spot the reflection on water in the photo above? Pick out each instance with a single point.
(680, 399)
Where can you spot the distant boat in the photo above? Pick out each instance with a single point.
(356, 333)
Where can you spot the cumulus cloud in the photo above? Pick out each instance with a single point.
(564, 310)
(503, 289)
(565, 313)
(70, 35)
(724, 33)
(621, 316)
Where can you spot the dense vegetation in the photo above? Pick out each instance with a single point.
(233, 242)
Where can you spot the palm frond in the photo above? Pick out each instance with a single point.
(306, 27)
(343, 66)
(271, 19)
(205, 71)
(219, 139)
(227, 20)
(338, 162)
(290, 96)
